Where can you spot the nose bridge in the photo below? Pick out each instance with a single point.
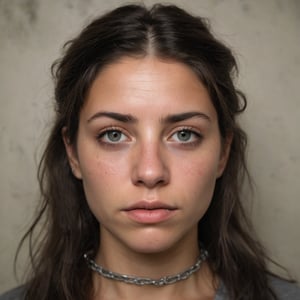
(150, 167)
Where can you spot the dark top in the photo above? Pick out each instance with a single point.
(284, 290)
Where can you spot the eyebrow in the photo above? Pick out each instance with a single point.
(127, 118)
(185, 116)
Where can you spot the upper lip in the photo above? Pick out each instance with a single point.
(150, 206)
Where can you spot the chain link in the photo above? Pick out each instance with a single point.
(147, 281)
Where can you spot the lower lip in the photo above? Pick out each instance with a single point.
(147, 216)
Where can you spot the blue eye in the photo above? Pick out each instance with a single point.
(186, 136)
(112, 136)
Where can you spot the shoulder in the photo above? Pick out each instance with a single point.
(284, 290)
(15, 294)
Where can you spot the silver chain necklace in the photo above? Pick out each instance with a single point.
(147, 281)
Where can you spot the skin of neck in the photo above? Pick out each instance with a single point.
(199, 286)
(117, 258)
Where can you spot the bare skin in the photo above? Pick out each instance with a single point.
(148, 153)
(198, 287)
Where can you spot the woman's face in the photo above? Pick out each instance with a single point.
(148, 153)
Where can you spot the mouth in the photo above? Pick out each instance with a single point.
(145, 205)
(145, 212)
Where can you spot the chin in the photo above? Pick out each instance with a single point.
(153, 243)
(151, 249)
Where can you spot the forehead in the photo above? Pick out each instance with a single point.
(148, 83)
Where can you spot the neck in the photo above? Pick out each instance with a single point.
(131, 279)
(115, 257)
(118, 259)
(198, 286)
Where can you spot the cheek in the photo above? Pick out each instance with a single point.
(106, 170)
(97, 165)
(200, 168)
(197, 178)
(100, 176)
(100, 185)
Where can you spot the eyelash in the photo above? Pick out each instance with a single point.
(106, 131)
(197, 137)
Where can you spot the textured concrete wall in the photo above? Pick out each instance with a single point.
(265, 36)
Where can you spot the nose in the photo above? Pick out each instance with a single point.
(150, 167)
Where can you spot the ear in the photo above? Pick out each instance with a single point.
(225, 151)
(71, 154)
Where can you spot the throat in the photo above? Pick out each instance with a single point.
(198, 286)
(146, 281)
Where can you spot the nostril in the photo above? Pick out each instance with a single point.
(151, 183)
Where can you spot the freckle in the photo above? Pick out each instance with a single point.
(108, 170)
(192, 170)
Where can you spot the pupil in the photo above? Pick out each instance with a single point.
(184, 135)
(114, 136)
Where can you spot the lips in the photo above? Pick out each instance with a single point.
(150, 206)
(150, 212)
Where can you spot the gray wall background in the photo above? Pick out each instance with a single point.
(265, 35)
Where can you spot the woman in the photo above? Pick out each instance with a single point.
(142, 173)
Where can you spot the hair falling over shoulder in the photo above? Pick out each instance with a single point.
(64, 228)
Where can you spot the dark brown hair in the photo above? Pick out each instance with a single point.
(68, 227)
